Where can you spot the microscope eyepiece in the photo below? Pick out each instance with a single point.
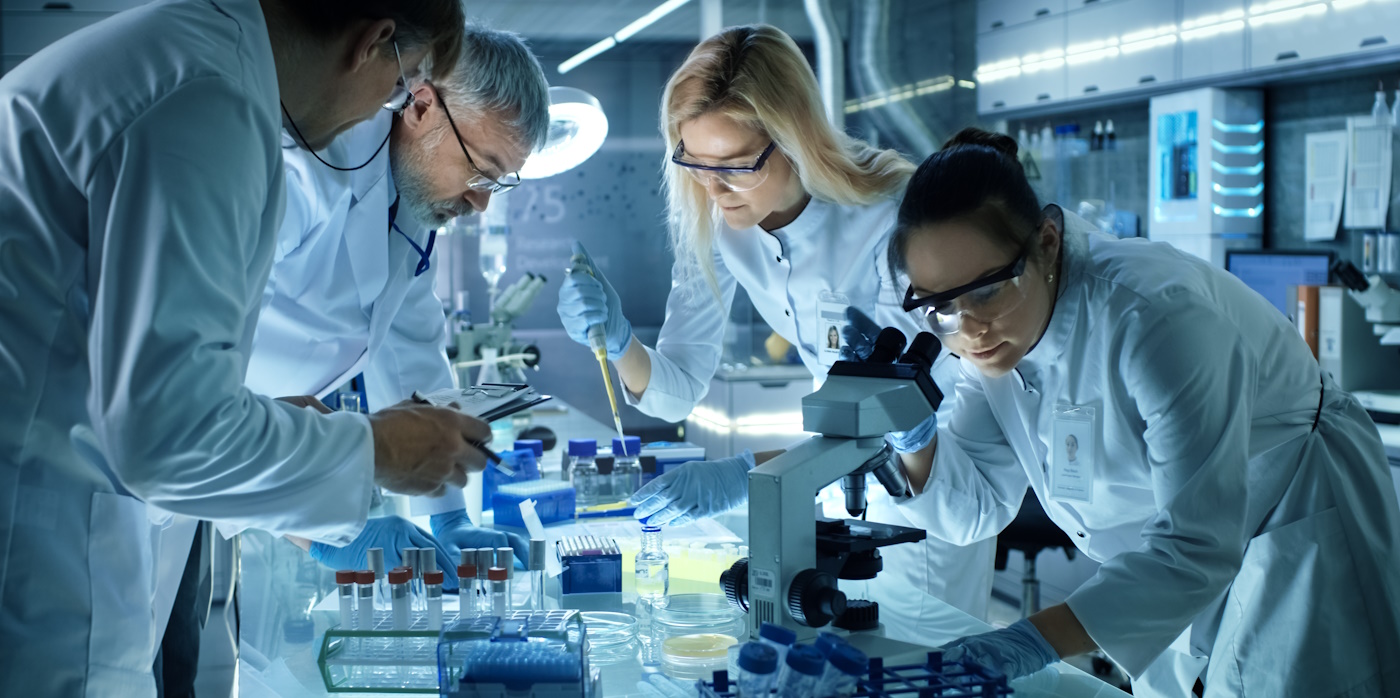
(888, 344)
(924, 351)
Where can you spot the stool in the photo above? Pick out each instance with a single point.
(1031, 532)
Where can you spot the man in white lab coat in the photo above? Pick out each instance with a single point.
(351, 290)
(143, 186)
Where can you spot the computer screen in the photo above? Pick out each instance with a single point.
(1270, 273)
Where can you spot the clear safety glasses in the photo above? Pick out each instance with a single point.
(401, 97)
(731, 178)
(479, 181)
(985, 300)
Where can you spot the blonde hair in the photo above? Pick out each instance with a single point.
(756, 76)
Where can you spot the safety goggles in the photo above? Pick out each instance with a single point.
(401, 98)
(731, 178)
(985, 300)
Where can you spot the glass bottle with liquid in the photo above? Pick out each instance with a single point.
(653, 577)
(627, 467)
(583, 471)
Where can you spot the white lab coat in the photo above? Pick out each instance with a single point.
(1223, 520)
(829, 248)
(342, 297)
(142, 187)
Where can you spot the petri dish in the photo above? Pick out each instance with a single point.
(607, 629)
(688, 614)
(695, 656)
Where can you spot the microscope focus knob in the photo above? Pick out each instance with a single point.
(735, 583)
(814, 600)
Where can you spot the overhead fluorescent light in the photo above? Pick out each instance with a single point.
(1145, 44)
(621, 35)
(1212, 30)
(1091, 56)
(1208, 20)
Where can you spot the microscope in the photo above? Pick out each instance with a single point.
(795, 556)
(492, 346)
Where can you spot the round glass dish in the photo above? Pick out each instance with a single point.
(695, 656)
(689, 614)
(606, 629)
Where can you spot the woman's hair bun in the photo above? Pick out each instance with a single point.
(999, 142)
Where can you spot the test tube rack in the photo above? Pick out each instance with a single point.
(935, 678)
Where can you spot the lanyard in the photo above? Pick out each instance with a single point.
(423, 255)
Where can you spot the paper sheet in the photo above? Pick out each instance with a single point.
(1326, 167)
(478, 400)
(1368, 174)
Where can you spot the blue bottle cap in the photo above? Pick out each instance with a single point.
(826, 642)
(849, 660)
(583, 447)
(806, 659)
(758, 658)
(777, 633)
(633, 446)
(534, 445)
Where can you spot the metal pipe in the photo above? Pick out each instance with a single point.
(831, 60)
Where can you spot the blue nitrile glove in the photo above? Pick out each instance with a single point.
(694, 491)
(858, 336)
(455, 531)
(588, 299)
(916, 439)
(1015, 651)
(393, 534)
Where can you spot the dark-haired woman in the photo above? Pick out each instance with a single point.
(1239, 502)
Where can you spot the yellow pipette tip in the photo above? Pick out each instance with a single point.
(602, 356)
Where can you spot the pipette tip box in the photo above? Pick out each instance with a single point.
(554, 502)
(591, 565)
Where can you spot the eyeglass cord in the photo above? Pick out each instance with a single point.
(303, 140)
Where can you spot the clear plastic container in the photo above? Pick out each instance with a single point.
(688, 614)
(777, 637)
(801, 671)
(627, 467)
(758, 669)
(583, 470)
(652, 568)
(689, 657)
(845, 666)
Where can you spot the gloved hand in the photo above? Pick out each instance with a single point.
(694, 491)
(588, 299)
(916, 439)
(455, 531)
(858, 336)
(1015, 651)
(393, 534)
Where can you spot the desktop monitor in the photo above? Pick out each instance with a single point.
(1271, 272)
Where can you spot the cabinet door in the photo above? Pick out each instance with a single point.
(1000, 14)
(1302, 33)
(1365, 25)
(1212, 37)
(1037, 74)
(24, 33)
(1120, 45)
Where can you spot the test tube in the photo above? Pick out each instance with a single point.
(466, 587)
(415, 584)
(537, 564)
(432, 592)
(375, 558)
(800, 672)
(345, 582)
(505, 559)
(758, 669)
(845, 665)
(364, 613)
(399, 580)
(485, 560)
(497, 577)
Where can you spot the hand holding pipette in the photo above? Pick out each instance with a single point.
(591, 312)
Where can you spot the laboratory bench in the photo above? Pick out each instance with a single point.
(287, 602)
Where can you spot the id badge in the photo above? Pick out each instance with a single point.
(831, 321)
(1073, 452)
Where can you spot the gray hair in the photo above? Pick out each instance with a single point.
(497, 75)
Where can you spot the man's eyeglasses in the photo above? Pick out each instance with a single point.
(731, 178)
(480, 181)
(401, 98)
(985, 300)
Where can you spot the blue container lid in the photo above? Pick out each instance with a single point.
(583, 447)
(633, 444)
(777, 633)
(758, 658)
(806, 659)
(849, 660)
(533, 445)
(826, 642)
(1067, 129)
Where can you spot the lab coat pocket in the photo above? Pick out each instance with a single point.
(121, 645)
(1293, 617)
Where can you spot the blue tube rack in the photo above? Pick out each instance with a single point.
(935, 678)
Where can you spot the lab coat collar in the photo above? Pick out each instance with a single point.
(360, 143)
(810, 221)
(1074, 260)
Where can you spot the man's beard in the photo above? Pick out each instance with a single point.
(410, 166)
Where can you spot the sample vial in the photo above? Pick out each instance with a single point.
(505, 559)
(432, 591)
(349, 402)
(399, 580)
(345, 582)
(777, 637)
(653, 575)
(844, 668)
(364, 612)
(826, 642)
(758, 669)
(583, 470)
(627, 467)
(375, 561)
(537, 564)
(466, 585)
(800, 672)
(497, 577)
(485, 560)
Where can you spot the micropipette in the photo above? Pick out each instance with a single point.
(597, 341)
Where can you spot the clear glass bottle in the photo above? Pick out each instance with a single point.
(500, 603)
(653, 574)
(399, 581)
(583, 471)
(364, 611)
(432, 590)
(345, 585)
(627, 466)
(537, 565)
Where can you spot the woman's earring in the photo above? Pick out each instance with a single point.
(1050, 278)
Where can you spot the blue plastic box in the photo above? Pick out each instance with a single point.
(522, 461)
(591, 565)
(554, 502)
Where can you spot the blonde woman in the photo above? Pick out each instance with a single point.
(764, 193)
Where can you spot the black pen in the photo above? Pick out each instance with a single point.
(490, 455)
